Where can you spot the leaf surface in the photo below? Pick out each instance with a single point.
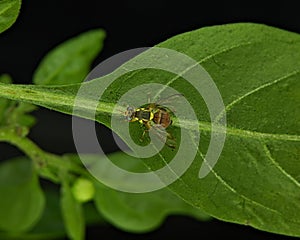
(51, 225)
(256, 69)
(70, 61)
(139, 212)
(22, 200)
(72, 213)
(9, 11)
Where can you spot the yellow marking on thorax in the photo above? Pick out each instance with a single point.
(151, 115)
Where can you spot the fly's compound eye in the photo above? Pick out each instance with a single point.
(128, 118)
(129, 113)
(130, 109)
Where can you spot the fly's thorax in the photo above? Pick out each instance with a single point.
(144, 114)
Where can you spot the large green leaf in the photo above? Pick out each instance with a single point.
(256, 69)
(9, 11)
(141, 212)
(22, 200)
(70, 61)
(138, 212)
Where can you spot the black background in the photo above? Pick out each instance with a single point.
(129, 24)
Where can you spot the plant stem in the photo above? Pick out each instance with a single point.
(42, 160)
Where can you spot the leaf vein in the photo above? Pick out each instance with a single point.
(277, 80)
(224, 50)
(226, 185)
(276, 164)
(7, 8)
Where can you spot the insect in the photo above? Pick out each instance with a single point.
(154, 116)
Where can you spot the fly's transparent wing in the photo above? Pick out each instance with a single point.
(169, 102)
(164, 136)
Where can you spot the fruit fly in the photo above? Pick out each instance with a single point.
(155, 116)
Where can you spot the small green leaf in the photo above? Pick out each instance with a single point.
(13, 113)
(139, 212)
(70, 62)
(51, 224)
(22, 200)
(5, 78)
(72, 214)
(9, 11)
(18, 114)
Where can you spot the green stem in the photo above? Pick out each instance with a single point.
(42, 160)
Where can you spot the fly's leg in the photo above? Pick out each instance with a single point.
(143, 135)
(148, 125)
(161, 133)
(164, 136)
(149, 97)
(151, 105)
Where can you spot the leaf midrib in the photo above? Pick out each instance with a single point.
(107, 108)
(39, 97)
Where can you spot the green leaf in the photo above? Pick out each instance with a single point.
(22, 200)
(256, 69)
(5, 78)
(18, 114)
(9, 11)
(70, 62)
(92, 216)
(139, 212)
(72, 214)
(51, 223)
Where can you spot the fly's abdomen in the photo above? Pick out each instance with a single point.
(162, 117)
